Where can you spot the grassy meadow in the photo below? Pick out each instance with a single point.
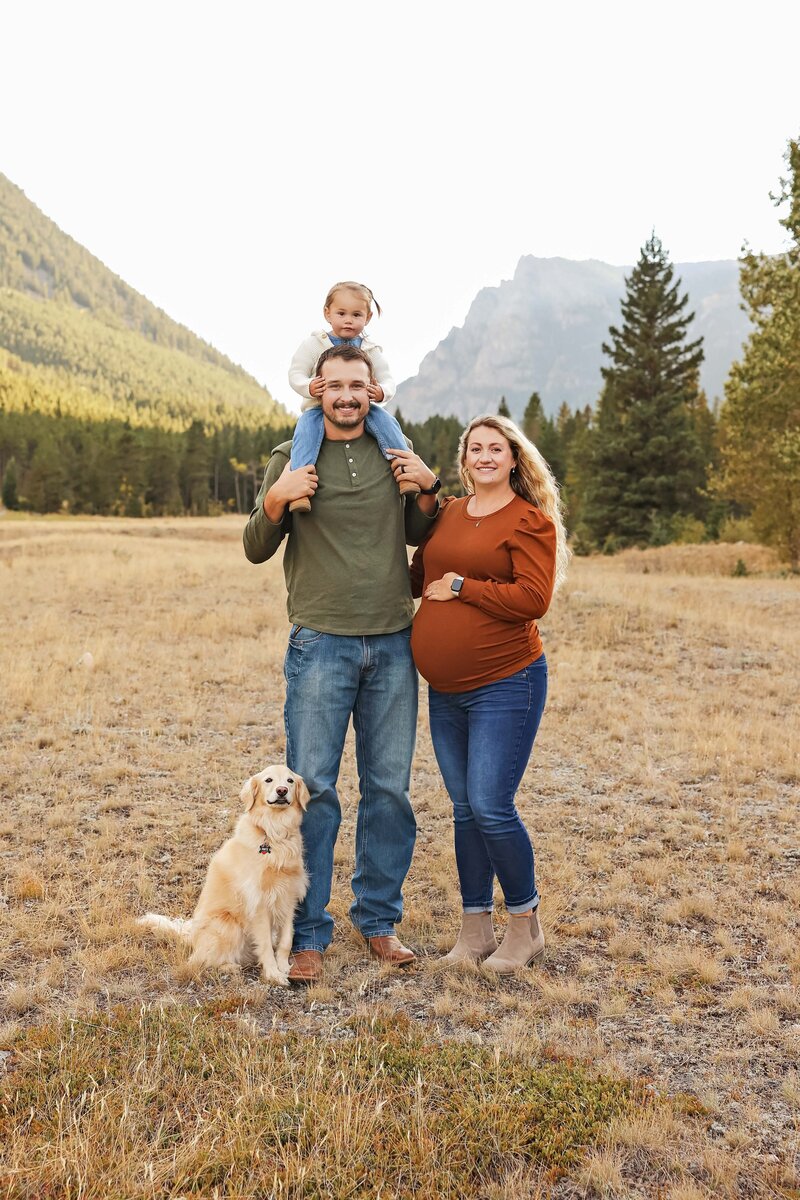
(654, 1055)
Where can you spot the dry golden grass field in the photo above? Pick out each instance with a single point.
(655, 1054)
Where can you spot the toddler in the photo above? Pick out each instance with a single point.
(348, 310)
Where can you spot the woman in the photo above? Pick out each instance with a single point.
(486, 572)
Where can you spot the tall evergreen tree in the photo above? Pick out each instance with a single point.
(645, 462)
(533, 417)
(574, 429)
(195, 470)
(544, 433)
(760, 420)
(9, 492)
(502, 409)
(47, 479)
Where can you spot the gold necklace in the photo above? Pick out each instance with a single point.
(487, 514)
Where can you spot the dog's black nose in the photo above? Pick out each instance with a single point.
(282, 791)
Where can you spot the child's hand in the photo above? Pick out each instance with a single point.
(375, 393)
(317, 386)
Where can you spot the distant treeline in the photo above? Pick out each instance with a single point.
(57, 462)
(111, 468)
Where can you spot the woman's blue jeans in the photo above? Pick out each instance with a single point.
(483, 740)
(328, 678)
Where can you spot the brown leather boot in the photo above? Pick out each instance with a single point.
(522, 945)
(306, 966)
(390, 950)
(301, 505)
(476, 940)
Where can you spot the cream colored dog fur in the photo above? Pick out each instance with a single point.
(253, 884)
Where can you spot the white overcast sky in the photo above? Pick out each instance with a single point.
(232, 160)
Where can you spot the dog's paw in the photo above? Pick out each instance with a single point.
(283, 965)
(277, 978)
(229, 968)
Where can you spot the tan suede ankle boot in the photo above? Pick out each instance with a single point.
(522, 945)
(476, 941)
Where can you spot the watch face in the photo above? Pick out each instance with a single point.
(456, 585)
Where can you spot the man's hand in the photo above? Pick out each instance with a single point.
(317, 386)
(290, 485)
(375, 393)
(410, 466)
(439, 589)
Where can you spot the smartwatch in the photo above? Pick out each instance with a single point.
(457, 584)
(433, 489)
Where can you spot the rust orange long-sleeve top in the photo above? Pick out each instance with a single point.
(507, 560)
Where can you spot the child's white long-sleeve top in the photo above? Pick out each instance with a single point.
(304, 365)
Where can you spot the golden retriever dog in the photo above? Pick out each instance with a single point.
(253, 885)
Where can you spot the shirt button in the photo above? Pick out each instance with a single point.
(347, 445)
(349, 460)
(354, 474)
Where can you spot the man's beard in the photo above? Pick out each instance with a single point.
(347, 418)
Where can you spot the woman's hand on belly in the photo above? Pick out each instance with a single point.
(439, 589)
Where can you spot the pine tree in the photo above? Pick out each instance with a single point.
(760, 420)
(502, 409)
(544, 433)
(46, 489)
(195, 470)
(574, 429)
(9, 493)
(645, 463)
(533, 417)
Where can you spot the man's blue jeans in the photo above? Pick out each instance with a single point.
(328, 677)
(483, 740)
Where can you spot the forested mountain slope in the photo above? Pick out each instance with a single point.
(75, 327)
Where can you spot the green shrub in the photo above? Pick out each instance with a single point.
(737, 529)
(688, 531)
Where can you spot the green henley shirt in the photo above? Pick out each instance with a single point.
(345, 562)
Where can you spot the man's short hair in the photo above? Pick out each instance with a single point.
(348, 353)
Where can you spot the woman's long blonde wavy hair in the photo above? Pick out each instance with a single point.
(531, 478)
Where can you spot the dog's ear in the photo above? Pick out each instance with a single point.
(301, 792)
(252, 791)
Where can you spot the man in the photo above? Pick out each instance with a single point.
(349, 602)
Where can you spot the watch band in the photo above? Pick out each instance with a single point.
(433, 489)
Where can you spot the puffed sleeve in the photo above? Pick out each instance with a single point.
(533, 558)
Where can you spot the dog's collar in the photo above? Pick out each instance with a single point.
(265, 848)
